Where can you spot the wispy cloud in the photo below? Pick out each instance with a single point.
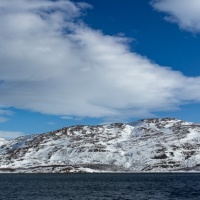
(71, 118)
(3, 119)
(52, 62)
(8, 135)
(51, 123)
(183, 12)
(5, 115)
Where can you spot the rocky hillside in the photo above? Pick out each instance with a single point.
(148, 145)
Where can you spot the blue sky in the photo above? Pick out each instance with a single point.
(74, 62)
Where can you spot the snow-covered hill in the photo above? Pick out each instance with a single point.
(148, 145)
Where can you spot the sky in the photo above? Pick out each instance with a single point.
(65, 63)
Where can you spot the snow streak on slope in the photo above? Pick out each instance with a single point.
(148, 145)
(2, 141)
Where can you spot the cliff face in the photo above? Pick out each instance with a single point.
(148, 145)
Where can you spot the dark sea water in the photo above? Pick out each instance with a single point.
(99, 186)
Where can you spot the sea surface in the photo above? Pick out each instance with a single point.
(100, 186)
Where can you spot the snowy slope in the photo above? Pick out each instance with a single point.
(2, 141)
(148, 145)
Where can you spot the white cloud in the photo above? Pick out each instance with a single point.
(4, 114)
(51, 62)
(186, 13)
(8, 135)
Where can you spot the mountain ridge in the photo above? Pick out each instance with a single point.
(148, 145)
